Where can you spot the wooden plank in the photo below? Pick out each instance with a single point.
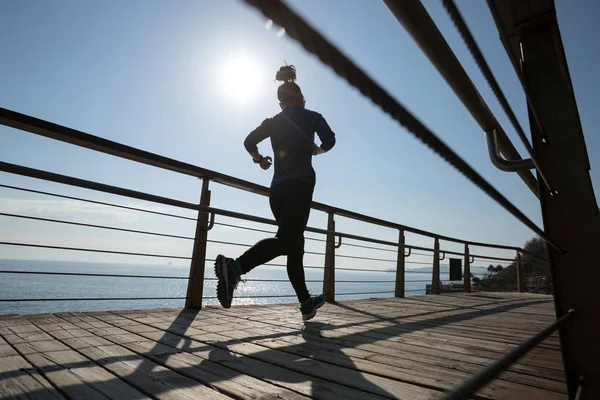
(435, 366)
(472, 318)
(367, 382)
(20, 381)
(426, 340)
(411, 330)
(73, 374)
(481, 325)
(413, 372)
(468, 318)
(244, 371)
(148, 376)
(441, 378)
(541, 372)
(535, 309)
(359, 349)
(139, 372)
(428, 343)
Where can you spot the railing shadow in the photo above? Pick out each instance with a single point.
(291, 361)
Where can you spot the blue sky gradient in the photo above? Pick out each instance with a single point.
(150, 74)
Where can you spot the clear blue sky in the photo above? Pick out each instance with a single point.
(157, 75)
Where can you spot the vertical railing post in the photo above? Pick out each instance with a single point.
(435, 279)
(329, 273)
(467, 275)
(570, 208)
(520, 274)
(196, 280)
(400, 267)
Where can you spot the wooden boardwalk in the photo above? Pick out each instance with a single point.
(413, 348)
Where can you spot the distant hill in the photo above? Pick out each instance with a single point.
(506, 279)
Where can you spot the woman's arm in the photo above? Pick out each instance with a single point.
(325, 134)
(252, 141)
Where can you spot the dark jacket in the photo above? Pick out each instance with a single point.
(292, 134)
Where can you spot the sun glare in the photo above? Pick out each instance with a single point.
(241, 77)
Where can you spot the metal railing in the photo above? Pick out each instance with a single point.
(413, 15)
(535, 35)
(207, 219)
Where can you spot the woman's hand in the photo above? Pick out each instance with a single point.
(266, 162)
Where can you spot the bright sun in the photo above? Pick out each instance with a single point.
(241, 77)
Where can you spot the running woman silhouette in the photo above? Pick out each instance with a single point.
(292, 134)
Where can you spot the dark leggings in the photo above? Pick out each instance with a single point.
(290, 202)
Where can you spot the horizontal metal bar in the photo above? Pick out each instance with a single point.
(262, 220)
(361, 269)
(92, 299)
(315, 239)
(95, 275)
(276, 280)
(217, 241)
(380, 222)
(261, 230)
(98, 202)
(101, 187)
(492, 258)
(468, 388)
(82, 139)
(376, 281)
(248, 217)
(247, 228)
(431, 250)
(43, 246)
(458, 253)
(238, 215)
(265, 297)
(415, 290)
(228, 243)
(143, 196)
(95, 226)
(273, 265)
(346, 244)
(423, 281)
(68, 180)
(367, 239)
(283, 265)
(358, 293)
(252, 297)
(420, 248)
(364, 258)
(355, 237)
(16, 169)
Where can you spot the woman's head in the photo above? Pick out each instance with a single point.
(289, 94)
